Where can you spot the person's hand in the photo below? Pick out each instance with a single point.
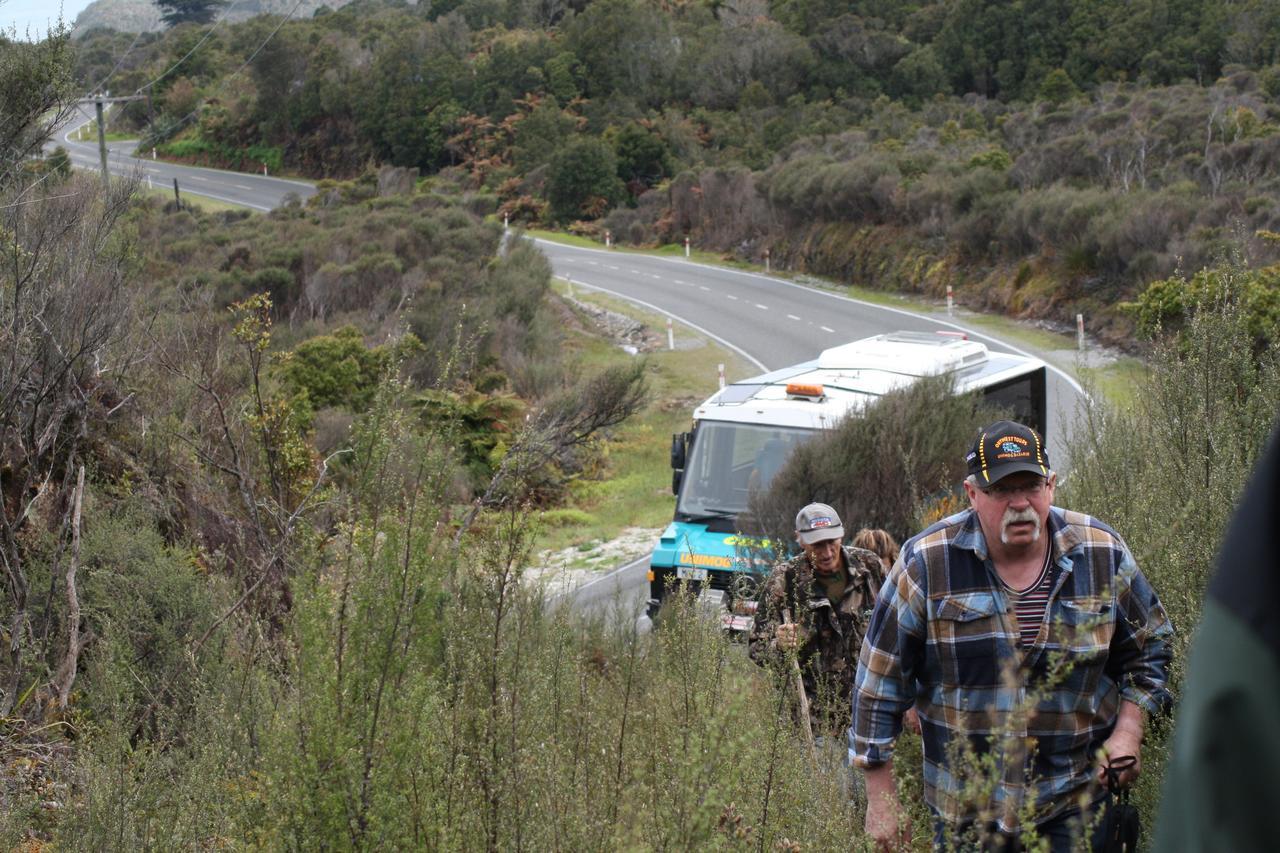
(883, 823)
(1121, 743)
(911, 720)
(787, 636)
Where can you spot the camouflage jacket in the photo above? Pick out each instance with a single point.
(831, 633)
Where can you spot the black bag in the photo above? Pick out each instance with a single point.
(1120, 825)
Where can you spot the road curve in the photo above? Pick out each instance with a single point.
(258, 192)
(770, 322)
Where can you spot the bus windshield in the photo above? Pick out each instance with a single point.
(728, 461)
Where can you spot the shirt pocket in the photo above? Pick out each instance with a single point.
(1082, 628)
(967, 632)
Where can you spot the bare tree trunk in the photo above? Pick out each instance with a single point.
(67, 672)
(18, 597)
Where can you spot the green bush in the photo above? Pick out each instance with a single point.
(583, 180)
(1167, 473)
(1167, 304)
(880, 468)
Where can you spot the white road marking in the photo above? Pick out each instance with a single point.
(792, 317)
(762, 307)
(731, 296)
(828, 331)
(612, 267)
(700, 287)
(242, 187)
(678, 281)
(198, 178)
(710, 334)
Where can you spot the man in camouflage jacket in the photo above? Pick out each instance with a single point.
(827, 591)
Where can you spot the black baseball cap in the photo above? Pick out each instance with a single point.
(1006, 448)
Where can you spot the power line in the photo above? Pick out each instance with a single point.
(243, 66)
(97, 87)
(225, 11)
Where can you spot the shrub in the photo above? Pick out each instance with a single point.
(879, 468)
(1167, 472)
(583, 180)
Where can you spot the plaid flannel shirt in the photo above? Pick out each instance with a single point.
(943, 636)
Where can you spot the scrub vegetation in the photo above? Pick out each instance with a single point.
(1043, 161)
(270, 483)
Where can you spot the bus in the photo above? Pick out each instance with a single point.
(743, 433)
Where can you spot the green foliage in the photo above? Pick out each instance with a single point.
(251, 158)
(36, 91)
(1166, 305)
(339, 370)
(482, 424)
(59, 162)
(643, 157)
(1207, 407)
(1057, 87)
(882, 467)
(583, 180)
(996, 159)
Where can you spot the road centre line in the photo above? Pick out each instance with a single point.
(972, 333)
(792, 317)
(827, 330)
(762, 307)
(731, 296)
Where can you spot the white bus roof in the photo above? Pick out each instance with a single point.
(855, 374)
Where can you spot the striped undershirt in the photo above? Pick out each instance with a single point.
(1029, 604)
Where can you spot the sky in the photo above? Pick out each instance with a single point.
(37, 14)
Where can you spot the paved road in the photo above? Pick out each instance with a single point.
(771, 323)
(768, 321)
(252, 191)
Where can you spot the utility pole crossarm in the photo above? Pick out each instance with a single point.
(98, 101)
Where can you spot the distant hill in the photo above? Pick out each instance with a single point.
(136, 16)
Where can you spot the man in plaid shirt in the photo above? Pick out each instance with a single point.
(1027, 639)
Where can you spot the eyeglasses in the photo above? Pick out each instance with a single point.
(1009, 491)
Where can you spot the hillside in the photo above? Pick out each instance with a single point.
(269, 484)
(143, 16)
(1043, 165)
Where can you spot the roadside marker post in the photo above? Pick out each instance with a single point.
(568, 280)
(506, 222)
(608, 239)
(766, 261)
(671, 334)
(1079, 331)
(951, 302)
(721, 368)
(686, 247)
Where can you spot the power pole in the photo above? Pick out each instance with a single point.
(102, 144)
(98, 101)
